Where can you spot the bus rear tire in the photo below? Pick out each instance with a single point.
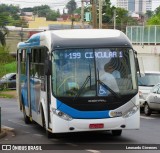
(26, 118)
(116, 132)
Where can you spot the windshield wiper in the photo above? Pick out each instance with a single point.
(109, 89)
(82, 87)
(84, 84)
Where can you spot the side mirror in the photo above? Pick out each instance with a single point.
(48, 67)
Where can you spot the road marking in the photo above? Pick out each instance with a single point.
(39, 135)
(93, 151)
(72, 144)
(148, 118)
(17, 123)
(26, 132)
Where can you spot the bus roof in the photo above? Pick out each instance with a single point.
(78, 38)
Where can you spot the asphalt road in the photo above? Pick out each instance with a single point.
(147, 135)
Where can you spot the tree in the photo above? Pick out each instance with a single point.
(52, 15)
(122, 17)
(155, 20)
(71, 6)
(149, 14)
(157, 11)
(41, 11)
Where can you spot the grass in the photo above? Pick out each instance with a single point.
(4, 69)
(8, 94)
(7, 68)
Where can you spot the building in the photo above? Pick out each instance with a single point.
(138, 6)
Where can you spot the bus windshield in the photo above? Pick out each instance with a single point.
(93, 72)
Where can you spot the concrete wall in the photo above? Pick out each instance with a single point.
(149, 57)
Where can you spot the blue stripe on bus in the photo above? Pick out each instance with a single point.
(33, 95)
(33, 41)
(81, 114)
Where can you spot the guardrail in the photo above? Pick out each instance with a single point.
(144, 34)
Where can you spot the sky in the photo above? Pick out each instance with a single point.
(55, 4)
(32, 3)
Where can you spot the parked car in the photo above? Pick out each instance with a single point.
(152, 102)
(145, 83)
(8, 81)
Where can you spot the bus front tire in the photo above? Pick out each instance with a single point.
(48, 134)
(116, 132)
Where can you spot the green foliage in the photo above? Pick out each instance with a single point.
(71, 6)
(52, 15)
(107, 12)
(5, 57)
(7, 62)
(43, 11)
(155, 20)
(149, 14)
(157, 11)
(9, 14)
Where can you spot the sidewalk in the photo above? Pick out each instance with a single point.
(5, 130)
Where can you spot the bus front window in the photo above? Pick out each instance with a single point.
(93, 72)
(72, 71)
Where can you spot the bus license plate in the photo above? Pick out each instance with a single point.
(96, 126)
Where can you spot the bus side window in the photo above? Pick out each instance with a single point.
(38, 56)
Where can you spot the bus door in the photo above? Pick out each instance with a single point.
(23, 79)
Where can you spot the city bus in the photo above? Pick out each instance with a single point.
(63, 86)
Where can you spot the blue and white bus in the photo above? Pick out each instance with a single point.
(63, 86)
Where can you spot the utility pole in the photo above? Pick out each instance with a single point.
(114, 18)
(94, 14)
(100, 14)
(82, 13)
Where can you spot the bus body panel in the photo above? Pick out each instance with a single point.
(81, 120)
(80, 125)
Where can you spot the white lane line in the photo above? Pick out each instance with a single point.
(39, 135)
(148, 118)
(72, 144)
(93, 151)
(17, 123)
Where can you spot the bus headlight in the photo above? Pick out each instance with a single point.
(131, 111)
(61, 114)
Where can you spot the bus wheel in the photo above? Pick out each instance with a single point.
(116, 132)
(147, 110)
(26, 118)
(48, 134)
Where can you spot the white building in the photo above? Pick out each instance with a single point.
(138, 6)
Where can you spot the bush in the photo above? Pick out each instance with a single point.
(7, 62)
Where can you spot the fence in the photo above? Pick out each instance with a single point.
(144, 34)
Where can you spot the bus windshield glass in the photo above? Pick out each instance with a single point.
(93, 72)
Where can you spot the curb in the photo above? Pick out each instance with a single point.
(5, 130)
(3, 133)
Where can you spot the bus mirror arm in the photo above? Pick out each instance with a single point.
(48, 67)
